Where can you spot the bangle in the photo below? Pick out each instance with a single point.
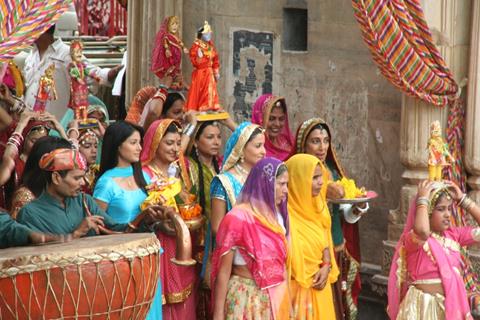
(422, 201)
(462, 199)
(73, 130)
(189, 130)
(74, 143)
(131, 226)
(364, 210)
(467, 203)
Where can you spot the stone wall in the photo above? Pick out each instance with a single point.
(335, 79)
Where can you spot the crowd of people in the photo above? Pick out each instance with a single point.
(272, 246)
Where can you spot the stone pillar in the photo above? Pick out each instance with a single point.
(472, 130)
(144, 20)
(450, 25)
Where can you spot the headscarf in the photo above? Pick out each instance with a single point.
(301, 139)
(252, 227)
(310, 221)
(236, 143)
(453, 286)
(262, 108)
(62, 159)
(151, 141)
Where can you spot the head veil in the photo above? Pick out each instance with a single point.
(301, 139)
(236, 143)
(310, 221)
(262, 108)
(151, 141)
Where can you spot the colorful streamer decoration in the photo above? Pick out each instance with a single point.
(23, 21)
(401, 45)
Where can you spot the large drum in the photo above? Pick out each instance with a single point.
(102, 277)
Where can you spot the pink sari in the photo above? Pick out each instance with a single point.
(456, 303)
(264, 250)
(179, 283)
(284, 144)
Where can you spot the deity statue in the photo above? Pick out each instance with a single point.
(46, 89)
(167, 52)
(79, 72)
(438, 154)
(203, 95)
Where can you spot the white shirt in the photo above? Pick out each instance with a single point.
(59, 54)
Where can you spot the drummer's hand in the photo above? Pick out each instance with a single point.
(335, 191)
(88, 223)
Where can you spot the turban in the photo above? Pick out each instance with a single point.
(63, 159)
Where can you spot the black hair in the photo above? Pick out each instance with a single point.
(116, 134)
(173, 128)
(281, 170)
(320, 126)
(194, 155)
(48, 175)
(255, 133)
(199, 33)
(31, 179)
(171, 98)
(51, 30)
(283, 105)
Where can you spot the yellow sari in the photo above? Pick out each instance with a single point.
(310, 234)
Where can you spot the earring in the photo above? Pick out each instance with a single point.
(242, 159)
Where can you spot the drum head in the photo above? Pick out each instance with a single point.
(80, 251)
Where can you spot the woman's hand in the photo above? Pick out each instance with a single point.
(321, 277)
(424, 188)
(455, 191)
(335, 191)
(190, 117)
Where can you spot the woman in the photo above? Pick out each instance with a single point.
(311, 257)
(314, 137)
(249, 263)
(424, 276)
(271, 113)
(31, 183)
(160, 155)
(244, 148)
(120, 188)
(96, 110)
(88, 146)
(204, 165)
(171, 108)
(38, 127)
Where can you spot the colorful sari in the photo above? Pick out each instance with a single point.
(282, 147)
(310, 235)
(440, 254)
(225, 186)
(178, 282)
(346, 236)
(253, 228)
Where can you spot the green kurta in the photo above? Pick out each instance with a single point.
(46, 214)
(12, 233)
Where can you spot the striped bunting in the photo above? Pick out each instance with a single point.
(23, 21)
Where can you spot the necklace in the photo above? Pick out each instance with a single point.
(159, 173)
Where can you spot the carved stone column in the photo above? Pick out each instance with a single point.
(472, 130)
(144, 20)
(450, 25)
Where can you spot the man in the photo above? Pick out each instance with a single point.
(46, 51)
(63, 209)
